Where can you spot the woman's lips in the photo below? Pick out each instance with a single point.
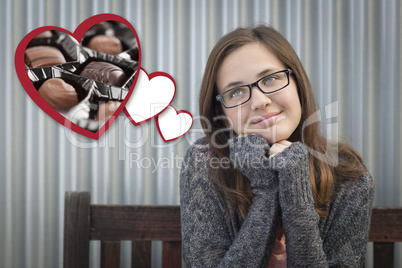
(268, 119)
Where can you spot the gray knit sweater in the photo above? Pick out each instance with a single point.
(282, 190)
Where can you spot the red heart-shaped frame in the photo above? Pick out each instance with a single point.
(78, 34)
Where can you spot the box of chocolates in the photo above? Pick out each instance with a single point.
(85, 82)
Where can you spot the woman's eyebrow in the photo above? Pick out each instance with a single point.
(266, 72)
(238, 83)
(232, 85)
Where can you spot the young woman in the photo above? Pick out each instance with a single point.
(262, 189)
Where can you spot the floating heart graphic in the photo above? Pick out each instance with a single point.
(83, 86)
(152, 95)
(173, 124)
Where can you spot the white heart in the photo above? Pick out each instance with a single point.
(173, 124)
(151, 95)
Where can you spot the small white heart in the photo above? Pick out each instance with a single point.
(151, 95)
(173, 124)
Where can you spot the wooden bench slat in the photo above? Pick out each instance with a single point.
(76, 229)
(383, 254)
(141, 253)
(171, 254)
(135, 223)
(386, 225)
(110, 254)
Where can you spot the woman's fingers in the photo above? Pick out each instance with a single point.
(284, 143)
(278, 147)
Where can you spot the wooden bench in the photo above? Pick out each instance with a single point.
(385, 230)
(112, 223)
(142, 224)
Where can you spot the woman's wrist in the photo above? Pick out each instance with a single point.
(250, 155)
(292, 165)
(296, 155)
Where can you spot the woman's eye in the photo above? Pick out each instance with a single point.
(269, 80)
(236, 93)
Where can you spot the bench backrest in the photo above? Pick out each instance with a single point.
(111, 224)
(385, 230)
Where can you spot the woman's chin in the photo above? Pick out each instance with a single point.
(274, 137)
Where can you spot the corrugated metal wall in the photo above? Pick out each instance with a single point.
(351, 51)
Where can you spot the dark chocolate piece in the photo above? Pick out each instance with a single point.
(102, 25)
(106, 110)
(106, 44)
(41, 56)
(44, 34)
(105, 72)
(58, 93)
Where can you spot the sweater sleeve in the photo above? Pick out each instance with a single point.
(208, 240)
(345, 232)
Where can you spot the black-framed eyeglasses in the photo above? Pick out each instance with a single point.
(268, 84)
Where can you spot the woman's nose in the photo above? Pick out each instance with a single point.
(259, 99)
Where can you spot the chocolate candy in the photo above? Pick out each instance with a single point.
(106, 110)
(104, 25)
(105, 72)
(44, 34)
(58, 93)
(113, 38)
(90, 80)
(106, 44)
(42, 56)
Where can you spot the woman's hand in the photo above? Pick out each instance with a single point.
(249, 154)
(278, 147)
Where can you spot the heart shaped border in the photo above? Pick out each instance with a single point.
(78, 34)
(177, 112)
(150, 76)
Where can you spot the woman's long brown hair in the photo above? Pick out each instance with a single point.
(231, 183)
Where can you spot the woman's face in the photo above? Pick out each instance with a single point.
(274, 116)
